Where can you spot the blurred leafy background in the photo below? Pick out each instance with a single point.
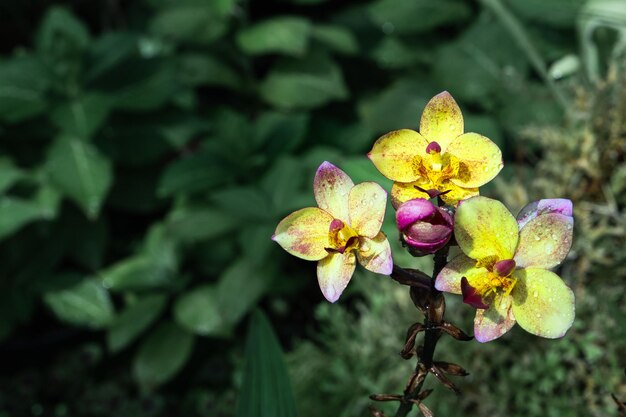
(149, 147)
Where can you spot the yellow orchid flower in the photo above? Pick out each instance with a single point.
(503, 270)
(439, 159)
(344, 228)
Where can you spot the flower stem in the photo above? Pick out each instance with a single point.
(434, 304)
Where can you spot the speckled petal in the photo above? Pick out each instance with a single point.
(484, 228)
(479, 158)
(456, 193)
(546, 206)
(405, 191)
(544, 241)
(375, 254)
(304, 233)
(492, 323)
(331, 187)
(442, 120)
(367, 202)
(542, 304)
(397, 154)
(449, 279)
(334, 273)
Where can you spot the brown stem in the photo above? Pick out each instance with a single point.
(433, 305)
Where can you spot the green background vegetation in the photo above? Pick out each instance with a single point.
(148, 149)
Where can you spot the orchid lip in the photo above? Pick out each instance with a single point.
(471, 296)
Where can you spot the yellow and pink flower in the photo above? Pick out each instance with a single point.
(344, 228)
(504, 268)
(440, 159)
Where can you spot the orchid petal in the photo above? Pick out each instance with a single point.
(304, 233)
(366, 203)
(334, 273)
(442, 120)
(397, 154)
(549, 205)
(331, 187)
(375, 254)
(544, 241)
(484, 228)
(542, 304)
(405, 191)
(449, 279)
(495, 321)
(479, 158)
(456, 193)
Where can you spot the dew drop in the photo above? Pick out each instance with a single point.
(538, 315)
(555, 237)
(536, 294)
(537, 238)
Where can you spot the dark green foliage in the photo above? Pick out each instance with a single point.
(149, 148)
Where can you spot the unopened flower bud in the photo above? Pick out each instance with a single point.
(423, 225)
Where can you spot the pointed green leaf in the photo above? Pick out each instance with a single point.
(16, 213)
(266, 389)
(288, 35)
(86, 304)
(133, 320)
(80, 172)
(161, 355)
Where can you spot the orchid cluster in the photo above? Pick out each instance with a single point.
(502, 266)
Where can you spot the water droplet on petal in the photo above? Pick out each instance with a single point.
(537, 238)
(536, 294)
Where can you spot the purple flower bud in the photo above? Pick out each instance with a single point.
(423, 225)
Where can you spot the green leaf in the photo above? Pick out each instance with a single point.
(83, 116)
(192, 224)
(396, 107)
(198, 172)
(134, 320)
(417, 16)
(61, 34)
(151, 92)
(108, 59)
(9, 174)
(198, 311)
(247, 203)
(308, 83)
(23, 84)
(214, 310)
(140, 272)
(288, 35)
(80, 172)
(162, 355)
(336, 38)
(280, 133)
(86, 304)
(266, 389)
(15, 213)
(483, 62)
(282, 182)
(393, 53)
(195, 24)
(202, 69)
